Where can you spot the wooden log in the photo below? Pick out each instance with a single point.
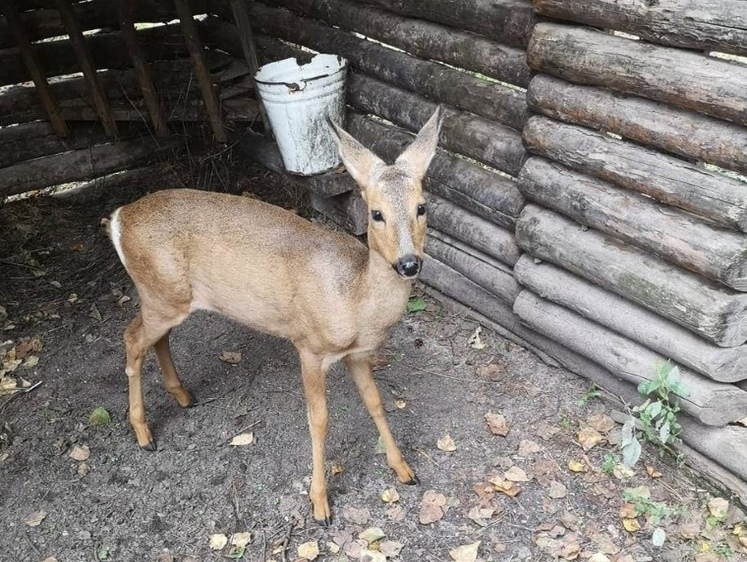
(474, 265)
(665, 178)
(714, 312)
(686, 79)
(476, 189)
(678, 131)
(196, 53)
(711, 402)
(75, 33)
(438, 82)
(33, 67)
(127, 27)
(718, 26)
(75, 165)
(420, 38)
(675, 235)
(632, 321)
(475, 231)
(464, 133)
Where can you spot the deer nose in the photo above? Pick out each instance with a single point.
(408, 266)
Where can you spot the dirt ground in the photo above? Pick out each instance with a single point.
(77, 491)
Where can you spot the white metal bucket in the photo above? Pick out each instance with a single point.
(298, 99)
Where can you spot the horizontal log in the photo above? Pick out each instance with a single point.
(686, 79)
(670, 180)
(420, 38)
(674, 235)
(712, 311)
(475, 231)
(491, 143)
(632, 321)
(716, 26)
(474, 265)
(438, 82)
(678, 131)
(711, 402)
(473, 187)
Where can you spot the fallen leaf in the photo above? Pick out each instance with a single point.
(589, 437)
(491, 371)
(372, 534)
(628, 511)
(481, 515)
(689, 530)
(35, 519)
(165, 556)
(527, 448)
(601, 422)
(718, 507)
(355, 548)
(631, 525)
(652, 472)
(380, 447)
(390, 549)
(557, 490)
(396, 513)
(621, 472)
(505, 486)
(497, 424)
(658, 537)
(242, 440)
(372, 556)
(400, 404)
(390, 495)
(431, 507)
(99, 416)
(465, 553)
(231, 357)
(80, 453)
(241, 539)
(475, 340)
(50, 559)
(333, 547)
(599, 557)
(546, 431)
(358, 516)
(569, 548)
(515, 474)
(83, 469)
(576, 465)
(218, 541)
(31, 361)
(308, 550)
(446, 443)
(336, 469)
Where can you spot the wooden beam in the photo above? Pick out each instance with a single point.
(196, 53)
(27, 141)
(34, 68)
(127, 27)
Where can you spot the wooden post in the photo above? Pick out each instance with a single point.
(83, 55)
(124, 13)
(246, 38)
(192, 38)
(34, 68)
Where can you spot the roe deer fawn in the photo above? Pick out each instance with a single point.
(278, 273)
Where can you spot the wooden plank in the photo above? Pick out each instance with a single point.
(75, 33)
(420, 38)
(670, 180)
(692, 24)
(33, 67)
(489, 99)
(711, 402)
(468, 185)
(474, 265)
(705, 308)
(678, 237)
(471, 229)
(196, 53)
(686, 79)
(631, 320)
(678, 131)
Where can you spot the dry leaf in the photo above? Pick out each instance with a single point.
(390, 495)
(475, 340)
(628, 511)
(718, 507)
(491, 371)
(400, 404)
(83, 469)
(576, 465)
(515, 474)
(689, 530)
(481, 515)
(35, 519)
(505, 486)
(599, 557)
(358, 516)
(355, 548)
(372, 556)
(231, 357)
(569, 548)
(242, 439)
(527, 448)
(589, 437)
(431, 507)
(336, 469)
(390, 549)
(50, 559)
(241, 539)
(334, 548)
(652, 472)
(631, 525)
(218, 541)
(547, 431)
(621, 472)
(446, 443)
(372, 534)
(31, 361)
(396, 513)
(308, 550)
(465, 553)
(557, 490)
(601, 422)
(80, 453)
(497, 424)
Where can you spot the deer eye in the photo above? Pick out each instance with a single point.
(421, 210)
(377, 216)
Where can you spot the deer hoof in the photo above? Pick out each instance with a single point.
(326, 522)
(150, 446)
(412, 481)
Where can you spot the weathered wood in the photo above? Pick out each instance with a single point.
(468, 185)
(686, 79)
(692, 24)
(196, 53)
(678, 131)
(33, 67)
(127, 28)
(475, 231)
(713, 311)
(725, 445)
(632, 321)
(347, 209)
(665, 178)
(713, 403)
(675, 235)
(75, 33)
(486, 141)
(438, 82)
(731, 486)
(75, 165)
(420, 38)
(474, 265)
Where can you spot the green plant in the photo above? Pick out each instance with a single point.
(610, 461)
(566, 422)
(416, 304)
(591, 392)
(654, 511)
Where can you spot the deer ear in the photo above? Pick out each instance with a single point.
(417, 157)
(362, 164)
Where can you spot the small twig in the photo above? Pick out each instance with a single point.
(242, 430)
(286, 540)
(427, 456)
(460, 379)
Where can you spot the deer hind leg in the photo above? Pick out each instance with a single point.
(360, 370)
(314, 383)
(171, 380)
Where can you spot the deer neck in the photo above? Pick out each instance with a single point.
(385, 292)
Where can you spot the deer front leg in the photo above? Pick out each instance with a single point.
(360, 369)
(314, 383)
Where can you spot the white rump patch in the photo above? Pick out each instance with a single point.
(116, 234)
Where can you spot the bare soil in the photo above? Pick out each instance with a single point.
(60, 281)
